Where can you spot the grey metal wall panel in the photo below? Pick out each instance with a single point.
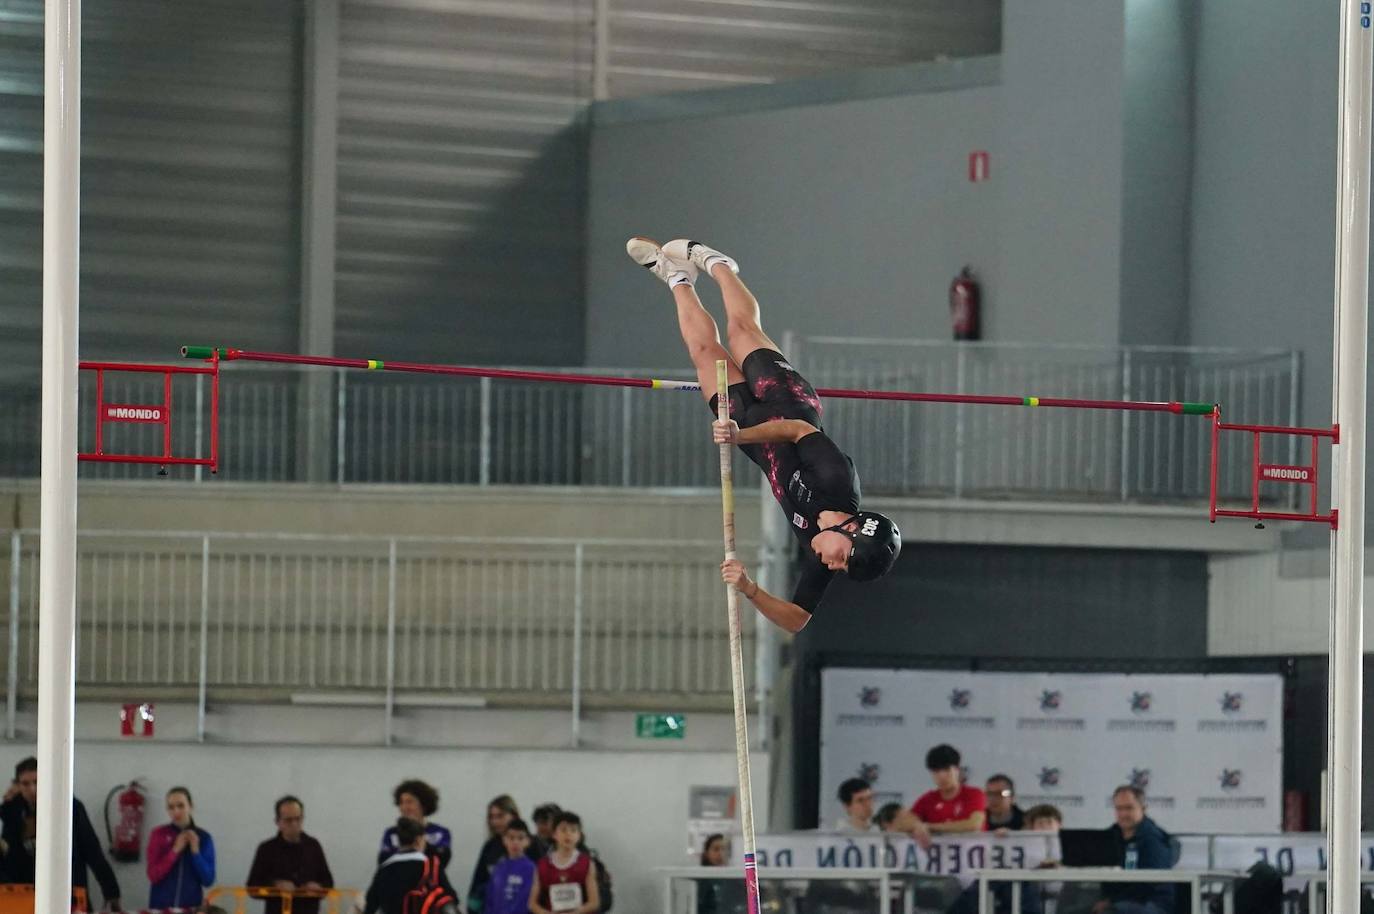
(190, 161)
(462, 179)
(667, 45)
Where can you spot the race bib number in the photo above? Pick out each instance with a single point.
(565, 897)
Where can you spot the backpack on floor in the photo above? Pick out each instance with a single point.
(429, 896)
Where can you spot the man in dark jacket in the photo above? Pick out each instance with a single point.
(18, 822)
(404, 871)
(291, 862)
(1144, 846)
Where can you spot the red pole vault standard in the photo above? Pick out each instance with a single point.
(840, 393)
(1295, 474)
(150, 414)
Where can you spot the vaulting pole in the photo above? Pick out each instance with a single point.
(746, 792)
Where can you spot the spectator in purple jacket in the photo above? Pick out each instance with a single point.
(417, 801)
(508, 890)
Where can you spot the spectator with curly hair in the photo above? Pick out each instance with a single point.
(417, 801)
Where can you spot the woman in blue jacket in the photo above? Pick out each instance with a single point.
(181, 856)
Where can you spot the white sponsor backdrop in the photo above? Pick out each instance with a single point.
(1207, 750)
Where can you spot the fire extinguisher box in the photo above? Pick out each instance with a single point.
(136, 720)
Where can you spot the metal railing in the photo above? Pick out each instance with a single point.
(378, 428)
(545, 617)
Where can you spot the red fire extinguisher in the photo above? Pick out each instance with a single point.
(125, 835)
(963, 305)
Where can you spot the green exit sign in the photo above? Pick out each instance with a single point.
(661, 726)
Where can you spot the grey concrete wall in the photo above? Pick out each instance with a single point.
(847, 218)
(1262, 247)
(1157, 159)
(1059, 221)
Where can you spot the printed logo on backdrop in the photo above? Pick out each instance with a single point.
(1230, 783)
(1141, 705)
(1051, 702)
(872, 772)
(960, 702)
(1139, 778)
(870, 697)
(1231, 721)
(1051, 781)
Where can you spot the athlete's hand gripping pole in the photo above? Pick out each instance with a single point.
(746, 796)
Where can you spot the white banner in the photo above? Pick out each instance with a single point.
(1207, 750)
(946, 856)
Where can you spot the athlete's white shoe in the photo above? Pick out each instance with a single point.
(698, 254)
(672, 270)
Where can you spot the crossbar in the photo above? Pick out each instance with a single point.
(840, 393)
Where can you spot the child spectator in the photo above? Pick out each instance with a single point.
(508, 891)
(181, 856)
(565, 880)
(501, 812)
(887, 817)
(1044, 818)
(405, 872)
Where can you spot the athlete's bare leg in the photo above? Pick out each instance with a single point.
(702, 338)
(743, 326)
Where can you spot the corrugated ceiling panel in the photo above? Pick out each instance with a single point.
(190, 164)
(668, 45)
(462, 178)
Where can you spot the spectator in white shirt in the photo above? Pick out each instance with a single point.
(856, 795)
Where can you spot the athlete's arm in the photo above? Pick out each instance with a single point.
(974, 822)
(777, 431)
(788, 616)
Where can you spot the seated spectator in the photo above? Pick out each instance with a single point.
(1044, 817)
(856, 795)
(181, 857)
(512, 879)
(1003, 813)
(417, 801)
(18, 824)
(501, 811)
(565, 881)
(291, 861)
(716, 851)
(887, 817)
(1144, 846)
(952, 807)
(409, 870)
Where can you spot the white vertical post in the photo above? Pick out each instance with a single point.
(204, 636)
(340, 459)
(1349, 371)
(626, 430)
(57, 511)
(578, 556)
(200, 422)
(484, 433)
(390, 637)
(746, 791)
(1126, 425)
(12, 671)
(601, 50)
